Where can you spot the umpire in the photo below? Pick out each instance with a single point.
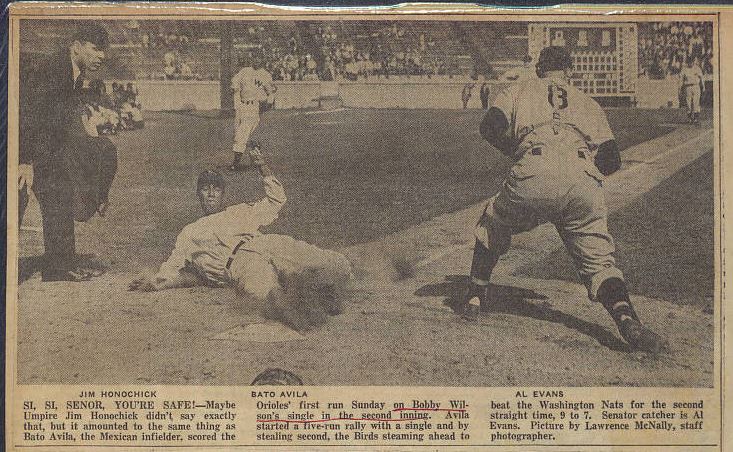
(53, 140)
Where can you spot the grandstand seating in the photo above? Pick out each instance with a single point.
(138, 48)
(496, 48)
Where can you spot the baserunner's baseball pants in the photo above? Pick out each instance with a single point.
(255, 270)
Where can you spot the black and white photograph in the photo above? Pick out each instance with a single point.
(368, 201)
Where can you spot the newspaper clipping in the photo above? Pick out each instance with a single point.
(427, 227)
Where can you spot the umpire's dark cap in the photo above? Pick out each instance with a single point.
(210, 177)
(554, 58)
(94, 33)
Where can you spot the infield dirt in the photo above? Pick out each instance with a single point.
(398, 192)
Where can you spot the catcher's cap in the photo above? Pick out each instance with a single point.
(277, 377)
(210, 177)
(554, 58)
(94, 33)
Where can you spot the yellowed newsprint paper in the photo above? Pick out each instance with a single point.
(426, 227)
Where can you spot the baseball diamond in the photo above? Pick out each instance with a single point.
(370, 163)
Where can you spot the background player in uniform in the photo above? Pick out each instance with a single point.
(562, 146)
(692, 85)
(297, 283)
(466, 93)
(251, 85)
(484, 93)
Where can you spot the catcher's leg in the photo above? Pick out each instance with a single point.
(493, 238)
(584, 231)
(613, 295)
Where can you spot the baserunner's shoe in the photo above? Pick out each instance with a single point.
(642, 338)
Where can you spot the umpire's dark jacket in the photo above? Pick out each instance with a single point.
(53, 139)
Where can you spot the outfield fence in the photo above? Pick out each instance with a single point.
(160, 95)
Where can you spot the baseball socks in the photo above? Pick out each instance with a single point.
(482, 265)
(614, 296)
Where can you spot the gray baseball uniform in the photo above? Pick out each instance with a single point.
(554, 129)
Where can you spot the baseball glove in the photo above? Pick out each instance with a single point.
(255, 155)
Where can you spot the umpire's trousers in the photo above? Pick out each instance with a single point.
(54, 192)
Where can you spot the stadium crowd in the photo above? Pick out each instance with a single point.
(292, 64)
(297, 51)
(665, 47)
(175, 67)
(173, 38)
(334, 57)
(389, 51)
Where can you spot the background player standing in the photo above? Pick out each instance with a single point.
(562, 145)
(484, 93)
(251, 85)
(692, 85)
(466, 94)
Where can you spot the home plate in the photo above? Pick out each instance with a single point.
(259, 332)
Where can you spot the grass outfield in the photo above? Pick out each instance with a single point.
(351, 176)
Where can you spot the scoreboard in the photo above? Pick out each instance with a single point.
(605, 60)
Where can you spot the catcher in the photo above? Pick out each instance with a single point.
(296, 282)
(562, 146)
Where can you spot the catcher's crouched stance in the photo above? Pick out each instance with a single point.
(562, 146)
(297, 283)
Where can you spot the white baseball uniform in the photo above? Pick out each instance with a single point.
(227, 248)
(555, 128)
(250, 87)
(692, 78)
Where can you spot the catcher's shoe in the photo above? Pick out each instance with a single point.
(470, 307)
(642, 338)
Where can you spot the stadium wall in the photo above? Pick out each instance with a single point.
(657, 93)
(204, 95)
(412, 95)
(159, 95)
